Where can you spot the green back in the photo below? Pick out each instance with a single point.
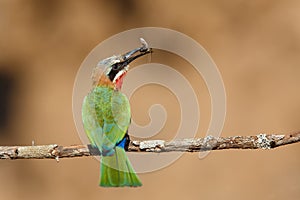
(106, 117)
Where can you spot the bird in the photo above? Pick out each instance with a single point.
(106, 117)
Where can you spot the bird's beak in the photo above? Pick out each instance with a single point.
(135, 53)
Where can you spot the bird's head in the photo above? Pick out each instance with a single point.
(111, 71)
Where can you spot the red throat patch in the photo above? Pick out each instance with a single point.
(119, 81)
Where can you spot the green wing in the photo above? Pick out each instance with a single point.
(92, 125)
(117, 120)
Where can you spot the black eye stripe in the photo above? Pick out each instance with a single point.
(115, 69)
(112, 73)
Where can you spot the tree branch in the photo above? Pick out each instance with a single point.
(54, 151)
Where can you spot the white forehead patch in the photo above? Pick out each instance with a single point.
(109, 61)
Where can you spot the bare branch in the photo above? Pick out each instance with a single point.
(54, 151)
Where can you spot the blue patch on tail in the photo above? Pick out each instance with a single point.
(122, 143)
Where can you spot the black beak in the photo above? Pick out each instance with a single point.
(129, 57)
(136, 53)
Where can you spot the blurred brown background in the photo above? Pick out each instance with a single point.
(256, 45)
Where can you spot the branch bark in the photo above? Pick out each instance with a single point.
(54, 151)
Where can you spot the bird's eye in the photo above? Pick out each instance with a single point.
(116, 66)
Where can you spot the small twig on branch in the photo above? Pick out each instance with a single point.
(54, 151)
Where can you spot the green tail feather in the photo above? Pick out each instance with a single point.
(116, 171)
